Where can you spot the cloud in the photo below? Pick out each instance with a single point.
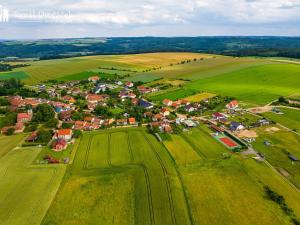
(158, 15)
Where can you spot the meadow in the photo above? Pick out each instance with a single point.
(43, 70)
(26, 191)
(227, 189)
(7, 143)
(290, 118)
(282, 144)
(129, 179)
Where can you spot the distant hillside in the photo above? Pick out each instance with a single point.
(233, 46)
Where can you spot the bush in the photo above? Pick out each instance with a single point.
(10, 131)
(77, 133)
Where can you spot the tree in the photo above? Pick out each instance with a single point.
(102, 111)
(51, 123)
(77, 115)
(77, 133)
(10, 131)
(44, 136)
(43, 113)
(66, 125)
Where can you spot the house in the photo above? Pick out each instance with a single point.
(235, 126)
(59, 145)
(189, 123)
(32, 137)
(16, 101)
(69, 99)
(121, 122)
(24, 117)
(129, 84)
(65, 115)
(145, 104)
(157, 117)
(79, 125)
(19, 127)
(94, 98)
(94, 79)
(218, 116)
(65, 134)
(131, 121)
(189, 108)
(167, 102)
(232, 105)
(165, 112)
(131, 95)
(134, 101)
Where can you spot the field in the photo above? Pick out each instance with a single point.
(199, 97)
(258, 84)
(251, 80)
(59, 68)
(226, 189)
(7, 143)
(17, 74)
(290, 118)
(282, 144)
(26, 191)
(129, 179)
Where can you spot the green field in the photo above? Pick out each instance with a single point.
(58, 68)
(7, 143)
(290, 118)
(16, 74)
(227, 191)
(120, 177)
(145, 78)
(257, 84)
(282, 143)
(26, 191)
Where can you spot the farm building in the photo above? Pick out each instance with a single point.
(232, 105)
(65, 134)
(94, 79)
(59, 145)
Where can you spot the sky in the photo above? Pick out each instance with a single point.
(34, 19)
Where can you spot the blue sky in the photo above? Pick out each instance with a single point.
(101, 18)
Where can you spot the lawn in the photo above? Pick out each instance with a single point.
(282, 143)
(290, 118)
(256, 84)
(26, 191)
(7, 143)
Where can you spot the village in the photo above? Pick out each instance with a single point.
(69, 108)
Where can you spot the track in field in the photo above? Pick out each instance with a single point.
(145, 171)
(165, 172)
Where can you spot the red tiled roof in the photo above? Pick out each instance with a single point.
(64, 132)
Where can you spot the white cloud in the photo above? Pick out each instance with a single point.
(188, 17)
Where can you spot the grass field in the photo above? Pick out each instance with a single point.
(58, 68)
(129, 179)
(26, 191)
(282, 143)
(7, 143)
(226, 191)
(16, 74)
(258, 84)
(290, 118)
(174, 94)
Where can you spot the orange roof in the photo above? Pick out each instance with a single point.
(131, 120)
(64, 132)
(94, 78)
